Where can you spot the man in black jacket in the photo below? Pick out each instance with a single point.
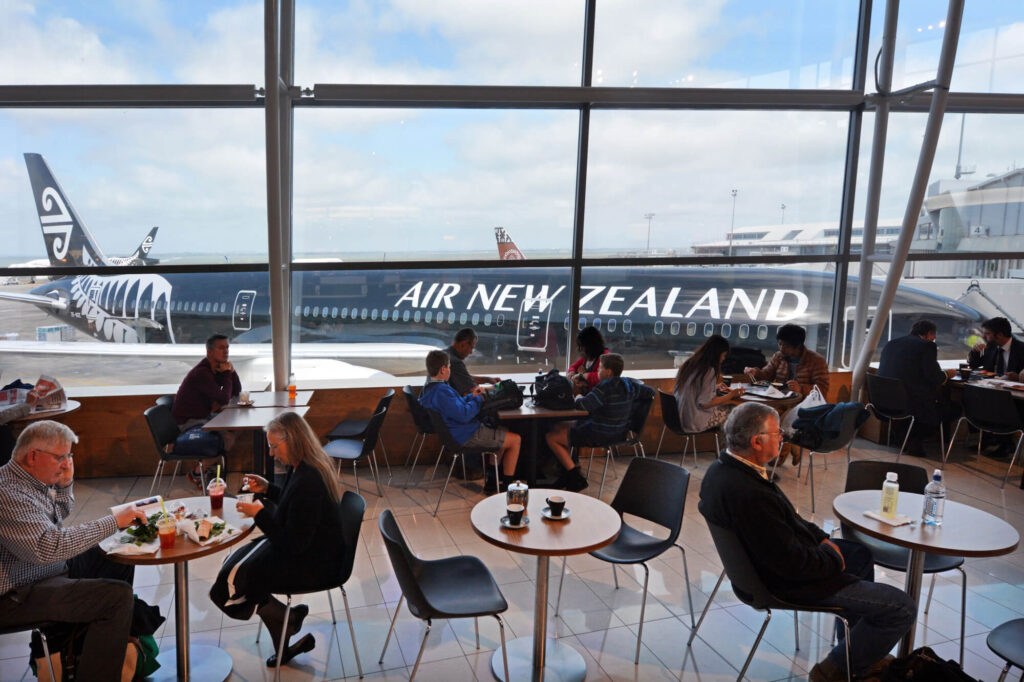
(1000, 352)
(796, 560)
(913, 359)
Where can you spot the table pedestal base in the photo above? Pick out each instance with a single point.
(562, 663)
(206, 663)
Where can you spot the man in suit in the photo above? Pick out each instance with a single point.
(913, 359)
(796, 560)
(1000, 352)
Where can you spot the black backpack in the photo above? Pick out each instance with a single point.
(924, 665)
(739, 358)
(553, 391)
(506, 395)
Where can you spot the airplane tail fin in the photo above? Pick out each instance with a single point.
(68, 240)
(507, 249)
(142, 253)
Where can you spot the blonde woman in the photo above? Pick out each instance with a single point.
(301, 524)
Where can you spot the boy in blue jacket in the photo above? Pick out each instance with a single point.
(609, 405)
(461, 415)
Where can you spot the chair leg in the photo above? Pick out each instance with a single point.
(159, 470)
(330, 600)
(753, 649)
(686, 576)
(259, 629)
(46, 652)
(796, 630)
(437, 462)
(283, 639)
(455, 458)
(615, 576)
(658, 451)
(386, 462)
(1002, 675)
(846, 642)
(1012, 460)
(375, 472)
(905, 438)
(419, 656)
(412, 446)
(607, 458)
(643, 607)
(423, 438)
(963, 610)
(707, 605)
(476, 629)
(561, 579)
(590, 463)
(355, 475)
(391, 629)
(952, 438)
(942, 437)
(351, 629)
(931, 588)
(504, 653)
(174, 474)
(810, 469)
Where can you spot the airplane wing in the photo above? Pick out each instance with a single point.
(35, 299)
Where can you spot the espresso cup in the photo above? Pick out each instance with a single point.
(965, 373)
(556, 503)
(515, 514)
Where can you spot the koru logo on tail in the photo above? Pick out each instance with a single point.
(58, 223)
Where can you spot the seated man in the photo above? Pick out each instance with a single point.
(913, 360)
(207, 388)
(461, 416)
(48, 573)
(794, 558)
(800, 368)
(609, 404)
(461, 380)
(1000, 352)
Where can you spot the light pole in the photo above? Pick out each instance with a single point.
(732, 223)
(783, 207)
(650, 217)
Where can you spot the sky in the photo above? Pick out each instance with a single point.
(399, 181)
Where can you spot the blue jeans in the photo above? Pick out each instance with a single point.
(879, 615)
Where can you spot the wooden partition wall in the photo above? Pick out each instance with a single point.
(115, 441)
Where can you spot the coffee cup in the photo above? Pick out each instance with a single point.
(515, 514)
(243, 397)
(556, 503)
(965, 373)
(245, 498)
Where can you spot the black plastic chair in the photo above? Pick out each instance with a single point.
(990, 411)
(353, 506)
(655, 491)
(639, 411)
(355, 429)
(165, 431)
(424, 428)
(166, 400)
(670, 416)
(355, 450)
(455, 587)
(887, 400)
(1007, 642)
(458, 453)
(847, 432)
(36, 628)
(869, 475)
(748, 588)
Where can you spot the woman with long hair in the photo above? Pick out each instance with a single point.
(584, 372)
(301, 524)
(698, 385)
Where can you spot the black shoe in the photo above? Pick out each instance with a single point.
(300, 647)
(575, 481)
(296, 617)
(559, 483)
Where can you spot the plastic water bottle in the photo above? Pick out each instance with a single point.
(292, 393)
(934, 500)
(890, 495)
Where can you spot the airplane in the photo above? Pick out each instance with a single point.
(390, 319)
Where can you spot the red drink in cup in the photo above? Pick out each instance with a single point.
(167, 530)
(216, 490)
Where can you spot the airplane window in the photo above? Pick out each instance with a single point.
(762, 332)
(627, 326)
(416, 316)
(674, 329)
(209, 306)
(659, 327)
(744, 331)
(429, 316)
(193, 307)
(597, 323)
(344, 313)
(501, 320)
(305, 311)
(316, 311)
(611, 325)
(582, 323)
(487, 320)
(362, 314)
(565, 324)
(709, 329)
(405, 316)
(298, 311)
(373, 314)
(726, 330)
(223, 307)
(691, 328)
(476, 319)
(394, 315)
(384, 314)
(451, 318)
(334, 312)
(462, 318)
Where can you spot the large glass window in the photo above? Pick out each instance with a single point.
(399, 184)
(713, 183)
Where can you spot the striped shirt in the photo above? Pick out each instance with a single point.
(34, 544)
(609, 404)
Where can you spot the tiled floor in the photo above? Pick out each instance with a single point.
(596, 619)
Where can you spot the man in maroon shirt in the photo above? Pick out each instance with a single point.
(207, 388)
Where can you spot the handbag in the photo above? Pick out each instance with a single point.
(553, 391)
(813, 399)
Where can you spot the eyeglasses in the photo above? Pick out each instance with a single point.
(777, 434)
(60, 458)
(274, 446)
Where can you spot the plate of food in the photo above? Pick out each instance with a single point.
(206, 531)
(141, 538)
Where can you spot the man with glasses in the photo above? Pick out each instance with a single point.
(797, 561)
(57, 574)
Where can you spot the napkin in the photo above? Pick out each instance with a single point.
(188, 527)
(113, 545)
(898, 520)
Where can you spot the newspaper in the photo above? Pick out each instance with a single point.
(50, 395)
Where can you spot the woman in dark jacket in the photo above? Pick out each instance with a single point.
(301, 523)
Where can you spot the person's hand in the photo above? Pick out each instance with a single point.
(226, 367)
(735, 393)
(751, 371)
(67, 476)
(478, 390)
(32, 397)
(126, 516)
(835, 547)
(249, 508)
(1012, 376)
(979, 347)
(722, 387)
(793, 385)
(254, 483)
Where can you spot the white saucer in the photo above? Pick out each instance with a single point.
(248, 404)
(524, 524)
(546, 512)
